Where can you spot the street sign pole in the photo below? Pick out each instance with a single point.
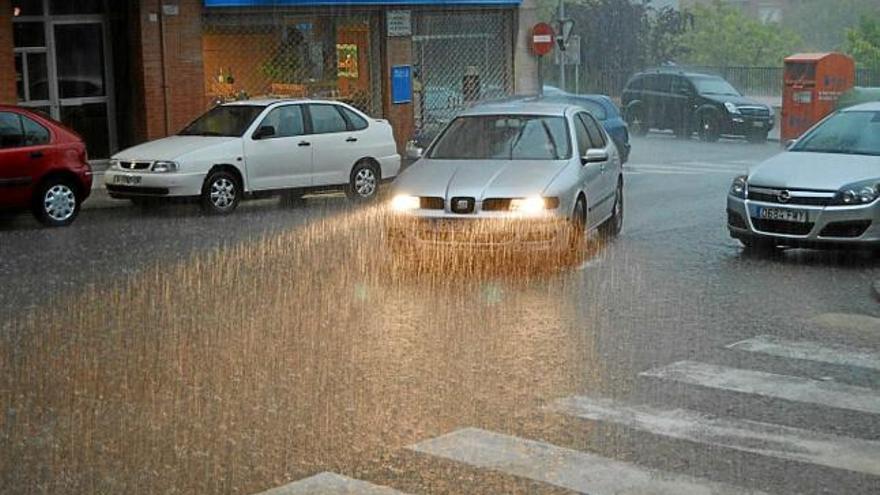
(561, 59)
(542, 44)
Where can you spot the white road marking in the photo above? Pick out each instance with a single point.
(779, 441)
(331, 484)
(837, 395)
(563, 467)
(810, 351)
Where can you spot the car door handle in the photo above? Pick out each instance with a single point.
(351, 140)
(304, 143)
(36, 154)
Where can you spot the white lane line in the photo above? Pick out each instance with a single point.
(767, 439)
(810, 351)
(331, 484)
(562, 467)
(794, 388)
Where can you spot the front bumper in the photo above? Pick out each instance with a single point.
(529, 234)
(825, 226)
(745, 125)
(122, 184)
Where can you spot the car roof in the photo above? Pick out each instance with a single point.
(524, 107)
(871, 106)
(265, 102)
(678, 72)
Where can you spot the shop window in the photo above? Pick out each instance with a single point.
(19, 76)
(37, 77)
(326, 119)
(34, 133)
(28, 34)
(68, 7)
(27, 7)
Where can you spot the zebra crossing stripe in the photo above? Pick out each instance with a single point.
(794, 388)
(772, 440)
(562, 467)
(810, 351)
(331, 484)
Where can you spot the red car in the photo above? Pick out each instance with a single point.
(43, 167)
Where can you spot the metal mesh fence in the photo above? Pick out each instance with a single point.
(257, 55)
(459, 59)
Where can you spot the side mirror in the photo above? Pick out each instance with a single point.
(594, 156)
(264, 132)
(414, 151)
(790, 143)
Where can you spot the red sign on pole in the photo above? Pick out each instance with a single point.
(542, 39)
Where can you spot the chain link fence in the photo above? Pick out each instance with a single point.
(270, 55)
(459, 59)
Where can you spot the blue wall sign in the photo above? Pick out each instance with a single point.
(342, 3)
(401, 84)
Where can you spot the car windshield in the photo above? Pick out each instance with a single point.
(852, 133)
(714, 86)
(504, 137)
(225, 120)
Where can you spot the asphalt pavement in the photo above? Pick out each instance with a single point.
(283, 348)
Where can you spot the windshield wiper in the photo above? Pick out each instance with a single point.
(519, 136)
(550, 137)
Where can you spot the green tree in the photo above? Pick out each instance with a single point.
(863, 42)
(823, 24)
(724, 36)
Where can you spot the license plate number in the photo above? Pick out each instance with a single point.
(129, 180)
(797, 216)
(758, 124)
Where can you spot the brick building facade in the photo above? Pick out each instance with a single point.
(125, 72)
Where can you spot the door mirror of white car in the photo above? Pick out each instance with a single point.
(264, 132)
(790, 143)
(414, 151)
(594, 156)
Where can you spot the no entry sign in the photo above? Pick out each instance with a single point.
(542, 38)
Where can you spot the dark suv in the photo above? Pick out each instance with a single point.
(688, 102)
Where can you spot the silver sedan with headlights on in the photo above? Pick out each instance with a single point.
(528, 175)
(823, 191)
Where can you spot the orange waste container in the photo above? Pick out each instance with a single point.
(812, 84)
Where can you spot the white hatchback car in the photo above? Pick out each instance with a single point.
(530, 175)
(260, 148)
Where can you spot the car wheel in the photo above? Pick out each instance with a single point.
(614, 225)
(363, 184)
(758, 137)
(578, 224)
(710, 128)
(635, 119)
(56, 203)
(221, 193)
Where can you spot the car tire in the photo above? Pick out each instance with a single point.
(635, 120)
(710, 128)
(758, 137)
(221, 193)
(614, 225)
(578, 224)
(363, 183)
(56, 202)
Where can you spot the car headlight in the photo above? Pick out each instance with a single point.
(857, 194)
(533, 204)
(731, 107)
(405, 202)
(740, 186)
(113, 164)
(163, 167)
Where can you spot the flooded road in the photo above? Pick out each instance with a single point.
(273, 346)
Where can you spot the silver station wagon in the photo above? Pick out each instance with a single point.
(823, 191)
(529, 175)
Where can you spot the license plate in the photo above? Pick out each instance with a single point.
(797, 216)
(129, 180)
(758, 124)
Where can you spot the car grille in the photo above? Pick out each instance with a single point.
(767, 195)
(496, 204)
(846, 229)
(430, 203)
(782, 227)
(127, 165)
(462, 205)
(754, 111)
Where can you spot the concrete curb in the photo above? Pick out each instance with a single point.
(875, 289)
